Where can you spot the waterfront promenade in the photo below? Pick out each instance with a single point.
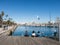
(17, 40)
(4, 32)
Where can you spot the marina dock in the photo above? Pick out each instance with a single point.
(17, 40)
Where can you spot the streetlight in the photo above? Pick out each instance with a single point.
(38, 18)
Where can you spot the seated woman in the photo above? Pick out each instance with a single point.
(55, 33)
(33, 34)
(38, 34)
(26, 34)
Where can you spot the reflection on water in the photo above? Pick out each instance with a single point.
(44, 31)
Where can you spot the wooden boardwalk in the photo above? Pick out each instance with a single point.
(16, 40)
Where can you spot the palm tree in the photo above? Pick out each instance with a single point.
(1, 18)
(2, 13)
(6, 17)
(9, 21)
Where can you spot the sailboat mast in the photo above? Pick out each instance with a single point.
(50, 16)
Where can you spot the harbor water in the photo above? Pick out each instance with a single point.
(44, 31)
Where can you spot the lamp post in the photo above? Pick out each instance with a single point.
(58, 25)
(59, 32)
(38, 18)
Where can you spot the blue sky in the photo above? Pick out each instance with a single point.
(28, 10)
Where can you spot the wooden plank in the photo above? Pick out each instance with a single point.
(17, 40)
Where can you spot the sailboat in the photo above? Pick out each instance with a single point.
(50, 25)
